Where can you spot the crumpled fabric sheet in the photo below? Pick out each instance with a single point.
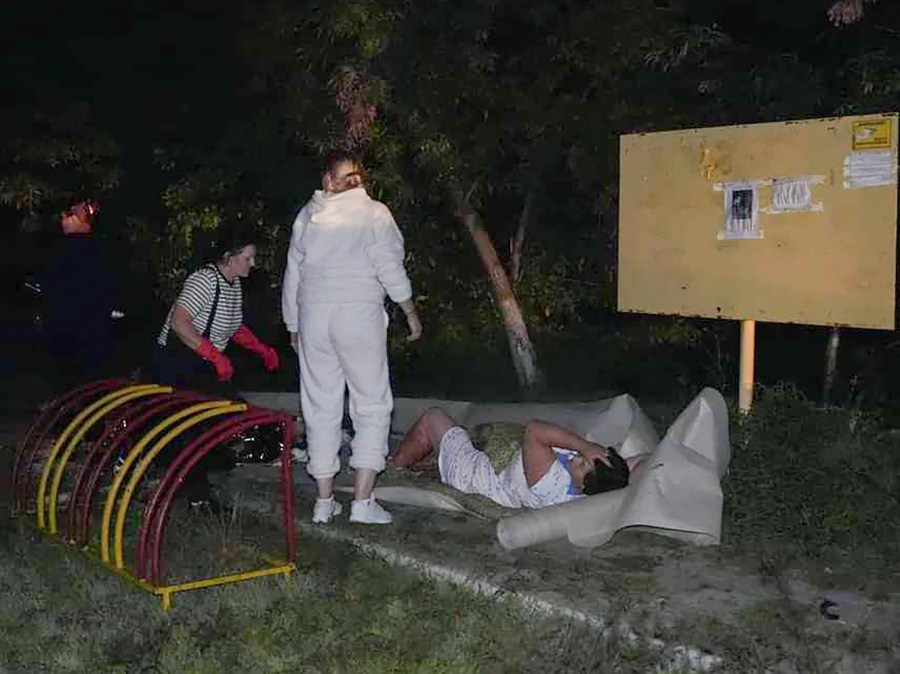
(676, 492)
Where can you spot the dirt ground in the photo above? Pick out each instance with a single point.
(708, 604)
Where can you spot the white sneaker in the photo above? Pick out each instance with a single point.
(368, 511)
(325, 509)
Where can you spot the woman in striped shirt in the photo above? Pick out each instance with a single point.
(204, 319)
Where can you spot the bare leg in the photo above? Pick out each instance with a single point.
(423, 438)
(363, 483)
(437, 424)
(326, 487)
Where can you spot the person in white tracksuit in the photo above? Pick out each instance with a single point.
(346, 253)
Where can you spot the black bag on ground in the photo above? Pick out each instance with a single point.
(260, 444)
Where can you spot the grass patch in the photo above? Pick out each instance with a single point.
(341, 612)
(813, 484)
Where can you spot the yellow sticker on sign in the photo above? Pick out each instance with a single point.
(872, 134)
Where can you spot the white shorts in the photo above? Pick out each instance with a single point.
(466, 468)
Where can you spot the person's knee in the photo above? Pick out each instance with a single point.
(435, 415)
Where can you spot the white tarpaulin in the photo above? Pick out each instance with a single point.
(676, 492)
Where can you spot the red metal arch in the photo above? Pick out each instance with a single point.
(165, 491)
(99, 456)
(90, 449)
(54, 403)
(157, 509)
(110, 415)
(47, 418)
(42, 426)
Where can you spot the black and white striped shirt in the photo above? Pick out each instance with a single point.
(197, 296)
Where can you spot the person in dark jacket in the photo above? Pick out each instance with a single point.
(79, 293)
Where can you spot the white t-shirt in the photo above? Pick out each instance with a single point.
(464, 467)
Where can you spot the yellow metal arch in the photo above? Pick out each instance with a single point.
(144, 464)
(76, 438)
(132, 457)
(64, 436)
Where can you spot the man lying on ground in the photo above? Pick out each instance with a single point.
(552, 465)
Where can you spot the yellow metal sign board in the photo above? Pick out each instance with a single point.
(786, 222)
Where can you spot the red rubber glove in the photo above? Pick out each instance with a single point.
(219, 360)
(245, 337)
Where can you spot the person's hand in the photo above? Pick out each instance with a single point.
(415, 327)
(269, 358)
(208, 352)
(245, 337)
(224, 368)
(412, 320)
(593, 452)
(295, 341)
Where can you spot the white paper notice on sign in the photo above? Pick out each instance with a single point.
(870, 169)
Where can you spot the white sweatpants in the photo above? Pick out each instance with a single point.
(344, 344)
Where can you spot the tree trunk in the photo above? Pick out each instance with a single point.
(517, 243)
(520, 346)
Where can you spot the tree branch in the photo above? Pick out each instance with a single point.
(517, 243)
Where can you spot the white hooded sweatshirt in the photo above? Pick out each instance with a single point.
(345, 247)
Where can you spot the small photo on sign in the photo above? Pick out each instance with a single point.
(741, 212)
(742, 205)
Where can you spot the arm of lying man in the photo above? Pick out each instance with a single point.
(538, 455)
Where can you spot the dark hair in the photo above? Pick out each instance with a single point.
(236, 237)
(603, 478)
(226, 240)
(334, 159)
